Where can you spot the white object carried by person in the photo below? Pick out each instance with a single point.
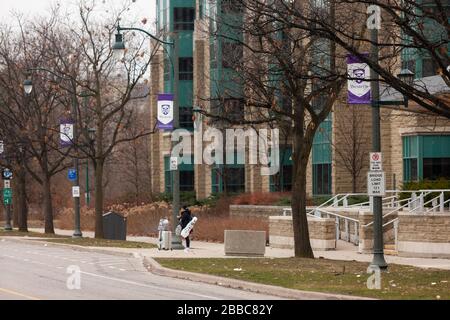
(187, 231)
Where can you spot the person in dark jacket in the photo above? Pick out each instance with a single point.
(185, 219)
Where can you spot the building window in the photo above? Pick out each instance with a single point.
(213, 54)
(429, 67)
(184, 19)
(322, 179)
(232, 6)
(234, 109)
(436, 168)
(322, 160)
(187, 68)
(187, 176)
(426, 157)
(232, 54)
(167, 68)
(186, 118)
(282, 181)
(227, 178)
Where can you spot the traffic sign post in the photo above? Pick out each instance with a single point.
(76, 193)
(72, 175)
(7, 200)
(173, 163)
(376, 161)
(377, 184)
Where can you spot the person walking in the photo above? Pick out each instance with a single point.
(185, 219)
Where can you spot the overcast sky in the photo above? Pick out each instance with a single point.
(141, 8)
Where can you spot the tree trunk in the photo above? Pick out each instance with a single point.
(302, 150)
(99, 197)
(22, 206)
(47, 205)
(300, 220)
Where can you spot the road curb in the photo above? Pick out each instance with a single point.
(154, 267)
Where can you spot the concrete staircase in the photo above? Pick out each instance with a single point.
(389, 250)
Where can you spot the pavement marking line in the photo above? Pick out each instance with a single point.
(150, 286)
(17, 294)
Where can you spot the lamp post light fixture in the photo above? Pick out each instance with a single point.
(28, 88)
(407, 77)
(120, 48)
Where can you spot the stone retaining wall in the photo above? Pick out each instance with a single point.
(258, 211)
(424, 235)
(322, 233)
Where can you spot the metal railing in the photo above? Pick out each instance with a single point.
(414, 203)
(346, 234)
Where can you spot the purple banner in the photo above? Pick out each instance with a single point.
(165, 112)
(66, 132)
(359, 86)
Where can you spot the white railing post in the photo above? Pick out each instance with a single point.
(346, 202)
(338, 229)
(356, 240)
(421, 202)
(441, 202)
(336, 202)
(318, 214)
(434, 204)
(412, 202)
(347, 231)
(396, 234)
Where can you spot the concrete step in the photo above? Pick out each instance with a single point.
(390, 253)
(389, 247)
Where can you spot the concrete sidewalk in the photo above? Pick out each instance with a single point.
(345, 252)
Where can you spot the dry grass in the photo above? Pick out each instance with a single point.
(144, 220)
(261, 198)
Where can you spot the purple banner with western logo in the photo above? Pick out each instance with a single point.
(359, 86)
(165, 112)
(66, 132)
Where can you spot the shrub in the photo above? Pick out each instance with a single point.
(426, 185)
(261, 198)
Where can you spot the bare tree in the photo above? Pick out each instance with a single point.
(352, 147)
(410, 30)
(31, 120)
(107, 80)
(290, 75)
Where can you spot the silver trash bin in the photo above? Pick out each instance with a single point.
(165, 236)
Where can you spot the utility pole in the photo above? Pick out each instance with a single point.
(378, 245)
(76, 183)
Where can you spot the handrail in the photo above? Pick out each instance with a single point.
(438, 206)
(338, 215)
(428, 202)
(388, 214)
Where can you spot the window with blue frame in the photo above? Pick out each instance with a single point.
(322, 160)
(433, 28)
(282, 181)
(187, 176)
(184, 18)
(229, 177)
(426, 157)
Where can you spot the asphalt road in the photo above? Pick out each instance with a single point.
(39, 272)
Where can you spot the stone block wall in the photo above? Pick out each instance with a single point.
(322, 233)
(424, 235)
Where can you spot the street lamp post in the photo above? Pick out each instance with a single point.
(406, 76)
(91, 135)
(119, 47)
(28, 87)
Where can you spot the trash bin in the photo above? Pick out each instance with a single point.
(165, 236)
(114, 226)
